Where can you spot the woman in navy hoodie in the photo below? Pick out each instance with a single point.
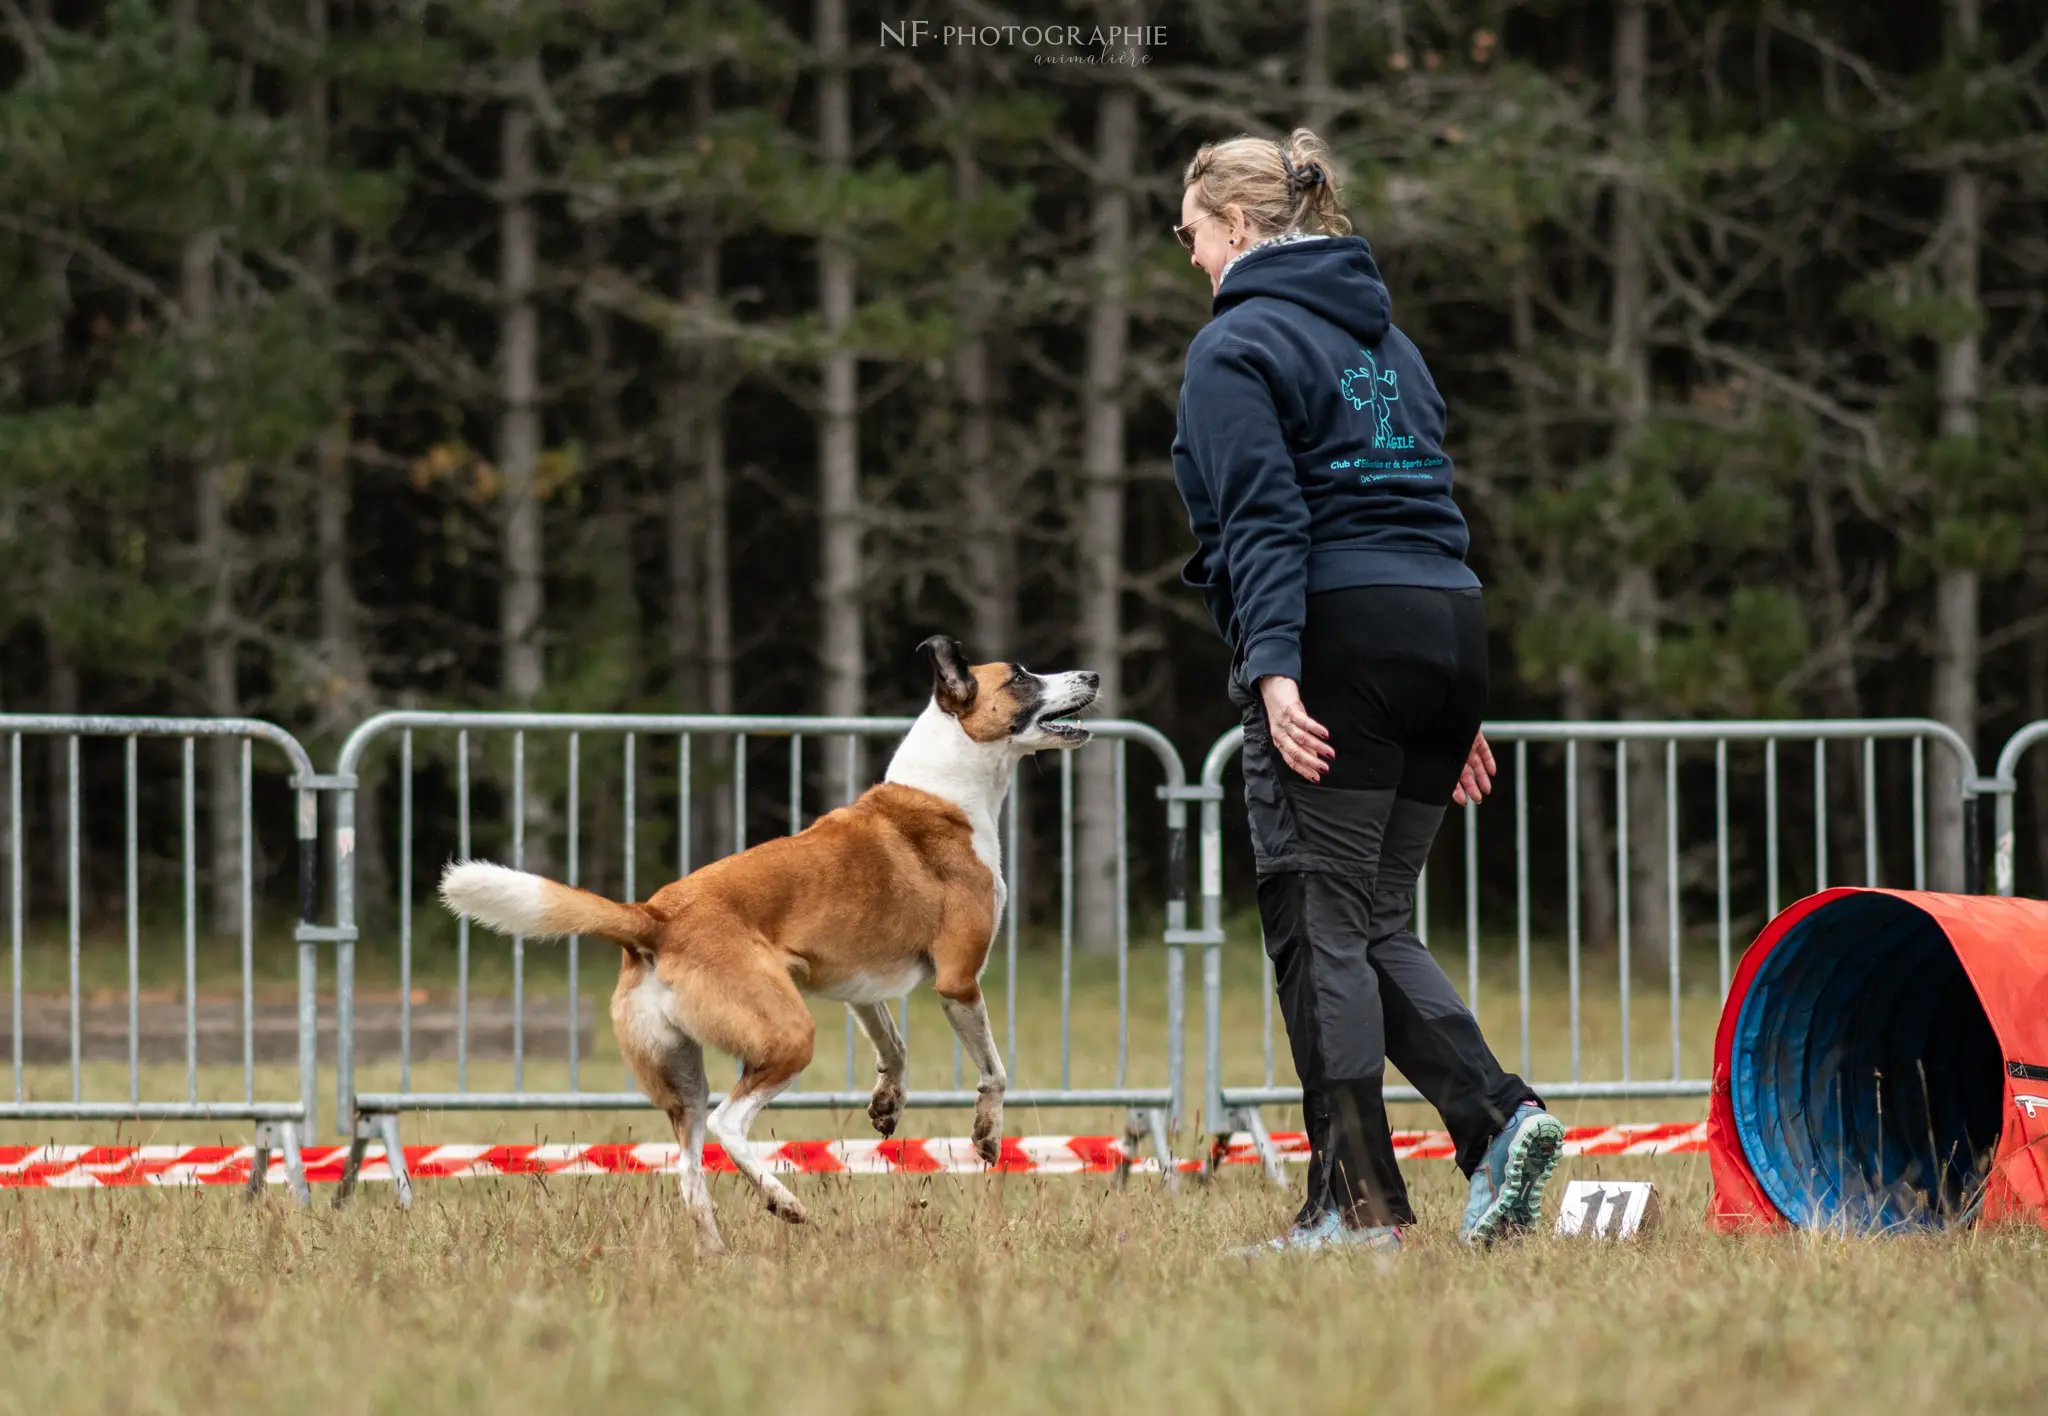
(1332, 558)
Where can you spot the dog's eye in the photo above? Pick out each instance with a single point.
(1018, 673)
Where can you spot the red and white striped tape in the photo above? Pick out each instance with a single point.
(92, 1166)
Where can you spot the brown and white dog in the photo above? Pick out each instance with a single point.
(903, 885)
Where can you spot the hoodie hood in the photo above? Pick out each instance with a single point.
(1334, 278)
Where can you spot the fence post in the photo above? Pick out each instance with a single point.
(2004, 786)
(2002, 840)
(345, 954)
(341, 934)
(1973, 841)
(309, 955)
(1176, 961)
(1209, 792)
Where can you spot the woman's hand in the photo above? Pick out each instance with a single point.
(1477, 779)
(1304, 743)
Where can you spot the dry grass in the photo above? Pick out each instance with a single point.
(1010, 1295)
(1000, 1294)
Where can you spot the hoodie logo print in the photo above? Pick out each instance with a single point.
(1379, 389)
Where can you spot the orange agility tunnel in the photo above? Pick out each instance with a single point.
(1882, 1064)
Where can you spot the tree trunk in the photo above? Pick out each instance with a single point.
(1636, 600)
(1957, 652)
(718, 635)
(683, 523)
(213, 555)
(1596, 837)
(609, 644)
(521, 596)
(682, 515)
(344, 693)
(990, 572)
(1594, 842)
(1101, 539)
(842, 647)
(1317, 102)
(699, 552)
(521, 600)
(609, 550)
(1839, 691)
(61, 527)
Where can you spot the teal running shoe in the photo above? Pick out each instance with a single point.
(1323, 1234)
(1507, 1190)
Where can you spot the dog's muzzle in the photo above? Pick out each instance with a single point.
(1056, 719)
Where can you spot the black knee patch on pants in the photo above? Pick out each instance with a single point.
(1364, 1178)
(1436, 1042)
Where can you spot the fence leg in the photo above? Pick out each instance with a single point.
(259, 1163)
(278, 1136)
(394, 1156)
(352, 1167)
(1262, 1142)
(1973, 846)
(1162, 1146)
(295, 1165)
(1135, 1129)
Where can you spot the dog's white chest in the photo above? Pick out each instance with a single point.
(988, 849)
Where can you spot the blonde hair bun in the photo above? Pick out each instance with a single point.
(1281, 186)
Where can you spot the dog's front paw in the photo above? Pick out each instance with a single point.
(886, 1109)
(787, 1208)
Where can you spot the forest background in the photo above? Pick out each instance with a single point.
(626, 355)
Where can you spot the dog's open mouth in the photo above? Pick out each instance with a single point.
(1059, 722)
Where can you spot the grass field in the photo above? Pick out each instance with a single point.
(1005, 1295)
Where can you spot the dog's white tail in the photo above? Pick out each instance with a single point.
(519, 902)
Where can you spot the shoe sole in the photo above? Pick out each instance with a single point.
(1532, 1157)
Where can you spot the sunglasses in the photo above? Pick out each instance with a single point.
(1186, 237)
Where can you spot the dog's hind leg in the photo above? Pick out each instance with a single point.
(689, 1112)
(735, 1117)
(669, 1065)
(762, 1021)
(890, 1056)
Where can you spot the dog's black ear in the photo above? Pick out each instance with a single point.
(952, 684)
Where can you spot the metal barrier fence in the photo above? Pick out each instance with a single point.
(1747, 872)
(1676, 750)
(2004, 787)
(279, 1122)
(373, 1114)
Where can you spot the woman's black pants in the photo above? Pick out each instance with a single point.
(1397, 675)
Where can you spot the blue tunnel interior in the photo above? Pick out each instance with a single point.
(1866, 1080)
